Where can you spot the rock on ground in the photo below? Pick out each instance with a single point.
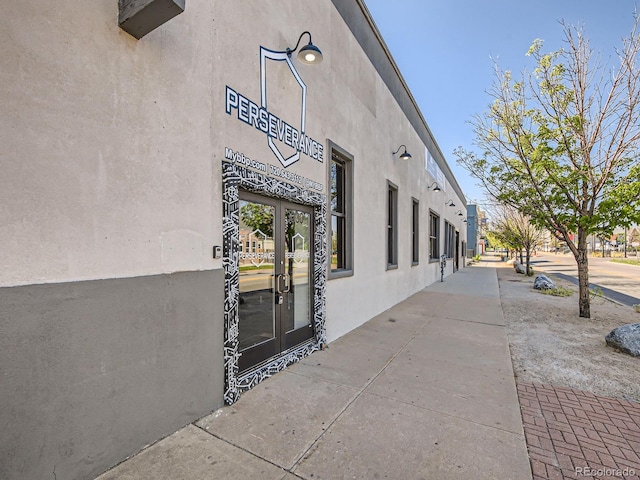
(626, 339)
(542, 282)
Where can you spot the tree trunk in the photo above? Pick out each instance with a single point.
(528, 258)
(583, 274)
(521, 256)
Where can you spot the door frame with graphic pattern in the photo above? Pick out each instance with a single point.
(236, 178)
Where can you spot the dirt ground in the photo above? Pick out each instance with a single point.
(551, 344)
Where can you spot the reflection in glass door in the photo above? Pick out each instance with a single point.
(275, 270)
(256, 261)
(297, 311)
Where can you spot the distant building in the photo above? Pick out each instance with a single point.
(475, 244)
(634, 237)
(547, 241)
(625, 237)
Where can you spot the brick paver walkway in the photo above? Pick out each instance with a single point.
(572, 434)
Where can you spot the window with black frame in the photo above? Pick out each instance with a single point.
(434, 237)
(392, 225)
(340, 206)
(449, 239)
(415, 232)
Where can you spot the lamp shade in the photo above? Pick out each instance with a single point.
(310, 54)
(405, 155)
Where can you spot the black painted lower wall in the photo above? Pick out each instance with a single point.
(90, 372)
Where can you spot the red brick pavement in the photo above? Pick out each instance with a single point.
(572, 434)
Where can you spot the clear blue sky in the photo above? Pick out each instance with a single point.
(445, 48)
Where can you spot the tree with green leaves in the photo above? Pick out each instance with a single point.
(515, 231)
(258, 217)
(560, 144)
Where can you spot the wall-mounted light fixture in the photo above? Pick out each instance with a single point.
(459, 212)
(464, 220)
(404, 155)
(450, 203)
(436, 188)
(309, 54)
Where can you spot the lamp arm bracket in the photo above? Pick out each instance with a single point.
(290, 51)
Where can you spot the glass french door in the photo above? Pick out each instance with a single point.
(276, 273)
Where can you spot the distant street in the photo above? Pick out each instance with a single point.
(252, 280)
(617, 277)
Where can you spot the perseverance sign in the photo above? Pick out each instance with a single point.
(270, 124)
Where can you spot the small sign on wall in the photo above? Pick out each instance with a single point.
(434, 170)
(139, 17)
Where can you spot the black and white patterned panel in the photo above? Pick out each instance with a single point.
(234, 178)
(230, 233)
(320, 271)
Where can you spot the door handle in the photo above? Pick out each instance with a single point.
(282, 277)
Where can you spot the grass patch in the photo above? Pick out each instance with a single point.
(268, 266)
(627, 261)
(637, 308)
(559, 291)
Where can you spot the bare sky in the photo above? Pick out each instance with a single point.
(445, 50)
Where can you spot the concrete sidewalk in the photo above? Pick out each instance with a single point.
(424, 390)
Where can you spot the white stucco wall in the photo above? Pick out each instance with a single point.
(106, 144)
(111, 147)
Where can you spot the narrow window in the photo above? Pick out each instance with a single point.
(340, 207)
(449, 240)
(446, 237)
(452, 241)
(392, 225)
(434, 236)
(415, 233)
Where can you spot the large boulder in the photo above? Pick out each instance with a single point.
(625, 338)
(520, 268)
(542, 282)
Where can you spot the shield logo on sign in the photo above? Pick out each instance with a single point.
(284, 95)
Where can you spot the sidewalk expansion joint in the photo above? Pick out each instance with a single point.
(352, 401)
(284, 469)
(503, 325)
(445, 414)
